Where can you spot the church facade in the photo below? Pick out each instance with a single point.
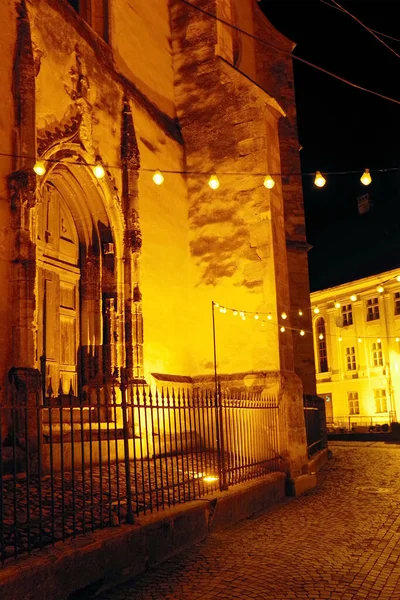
(102, 268)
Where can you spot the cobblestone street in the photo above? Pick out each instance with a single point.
(340, 541)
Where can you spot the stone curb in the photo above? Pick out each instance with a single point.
(90, 564)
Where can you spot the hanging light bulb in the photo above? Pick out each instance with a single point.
(269, 317)
(243, 317)
(359, 340)
(216, 304)
(283, 329)
(397, 339)
(366, 177)
(284, 316)
(213, 182)
(340, 339)
(398, 278)
(380, 289)
(353, 297)
(256, 316)
(158, 178)
(235, 312)
(302, 332)
(316, 310)
(379, 340)
(99, 171)
(321, 336)
(300, 312)
(337, 304)
(39, 168)
(319, 180)
(269, 182)
(241, 314)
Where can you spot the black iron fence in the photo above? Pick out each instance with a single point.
(72, 464)
(315, 419)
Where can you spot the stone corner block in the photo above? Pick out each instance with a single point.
(297, 486)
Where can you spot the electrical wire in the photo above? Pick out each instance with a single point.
(201, 173)
(394, 39)
(288, 53)
(366, 28)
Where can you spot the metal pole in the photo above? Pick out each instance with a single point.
(129, 516)
(218, 422)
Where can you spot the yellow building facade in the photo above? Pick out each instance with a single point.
(356, 331)
(111, 272)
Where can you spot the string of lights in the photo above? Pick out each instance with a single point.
(366, 28)
(269, 319)
(288, 53)
(99, 170)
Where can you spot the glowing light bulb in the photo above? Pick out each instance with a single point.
(216, 304)
(340, 339)
(321, 336)
(380, 289)
(337, 304)
(319, 180)
(353, 297)
(316, 310)
(241, 314)
(222, 309)
(302, 332)
(366, 177)
(284, 316)
(269, 182)
(398, 278)
(379, 340)
(359, 340)
(269, 317)
(397, 339)
(235, 312)
(300, 312)
(243, 317)
(213, 182)
(256, 316)
(158, 178)
(99, 171)
(39, 168)
(283, 329)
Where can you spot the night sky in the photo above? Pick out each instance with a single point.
(341, 129)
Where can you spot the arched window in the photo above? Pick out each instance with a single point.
(95, 12)
(321, 345)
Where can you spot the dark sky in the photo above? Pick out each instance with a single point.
(341, 128)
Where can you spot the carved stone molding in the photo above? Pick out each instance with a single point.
(22, 187)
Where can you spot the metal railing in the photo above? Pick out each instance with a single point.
(73, 464)
(315, 420)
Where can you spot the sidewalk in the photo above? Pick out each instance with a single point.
(338, 542)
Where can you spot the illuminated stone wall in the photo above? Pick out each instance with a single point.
(117, 271)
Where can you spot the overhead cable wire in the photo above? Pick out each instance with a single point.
(366, 28)
(390, 37)
(288, 53)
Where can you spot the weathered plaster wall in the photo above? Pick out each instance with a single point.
(237, 239)
(7, 49)
(144, 59)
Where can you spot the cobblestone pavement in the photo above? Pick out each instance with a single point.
(340, 541)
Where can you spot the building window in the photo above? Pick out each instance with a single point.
(95, 13)
(321, 345)
(351, 358)
(380, 401)
(347, 315)
(397, 303)
(372, 309)
(354, 404)
(377, 355)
